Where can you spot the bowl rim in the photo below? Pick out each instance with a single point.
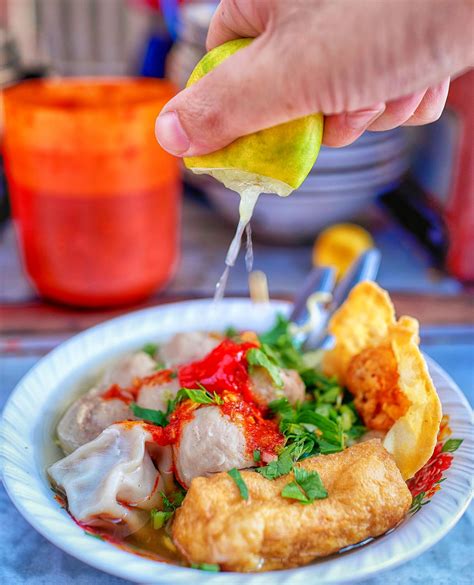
(22, 476)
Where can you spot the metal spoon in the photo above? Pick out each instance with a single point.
(364, 268)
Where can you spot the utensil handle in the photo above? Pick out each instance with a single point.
(320, 279)
(365, 267)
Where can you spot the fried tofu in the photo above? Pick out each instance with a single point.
(366, 497)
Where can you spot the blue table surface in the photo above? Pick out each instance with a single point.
(28, 558)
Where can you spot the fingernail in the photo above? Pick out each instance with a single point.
(170, 133)
(363, 118)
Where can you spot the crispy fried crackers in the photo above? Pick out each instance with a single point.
(379, 360)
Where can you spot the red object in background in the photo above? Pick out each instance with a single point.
(95, 199)
(460, 207)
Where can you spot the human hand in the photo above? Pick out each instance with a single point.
(365, 64)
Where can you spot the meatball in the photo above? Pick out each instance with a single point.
(183, 348)
(264, 389)
(156, 396)
(209, 442)
(88, 416)
(124, 371)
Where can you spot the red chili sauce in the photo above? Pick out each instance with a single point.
(224, 368)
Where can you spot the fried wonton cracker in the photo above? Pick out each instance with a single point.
(361, 322)
(412, 438)
(378, 359)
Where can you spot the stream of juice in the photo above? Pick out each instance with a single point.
(248, 199)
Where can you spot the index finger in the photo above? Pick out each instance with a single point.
(234, 19)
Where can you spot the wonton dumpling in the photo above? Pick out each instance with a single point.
(191, 346)
(112, 482)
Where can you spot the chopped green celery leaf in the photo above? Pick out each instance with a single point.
(201, 396)
(303, 447)
(306, 487)
(323, 410)
(159, 518)
(230, 331)
(174, 501)
(270, 352)
(157, 417)
(309, 427)
(293, 491)
(326, 448)
(323, 423)
(280, 328)
(240, 483)
(277, 468)
(256, 357)
(150, 349)
(206, 567)
(347, 417)
(314, 379)
(354, 433)
(451, 445)
(282, 344)
(282, 407)
(311, 483)
(330, 396)
(257, 456)
(292, 429)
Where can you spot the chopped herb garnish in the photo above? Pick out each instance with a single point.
(306, 487)
(150, 349)
(240, 483)
(200, 396)
(161, 366)
(256, 357)
(206, 567)
(231, 332)
(174, 501)
(170, 505)
(157, 417)
(279, 467)
(451, 445)
(257, 456)
(159, 518)
(283, 346)
(418, 502)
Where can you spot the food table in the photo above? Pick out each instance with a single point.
(29, 328)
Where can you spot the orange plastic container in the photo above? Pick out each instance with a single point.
(95, 199)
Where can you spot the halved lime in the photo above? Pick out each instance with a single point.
(274, 160)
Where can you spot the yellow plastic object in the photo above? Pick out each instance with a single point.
(277, 159)
(340, 245)
(367, 320)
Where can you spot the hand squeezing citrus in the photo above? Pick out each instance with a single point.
(274, 160)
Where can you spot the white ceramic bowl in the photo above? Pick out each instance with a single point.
(27, 448)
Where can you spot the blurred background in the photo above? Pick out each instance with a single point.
(94, 215)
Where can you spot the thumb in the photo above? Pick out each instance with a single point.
(243, 94)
